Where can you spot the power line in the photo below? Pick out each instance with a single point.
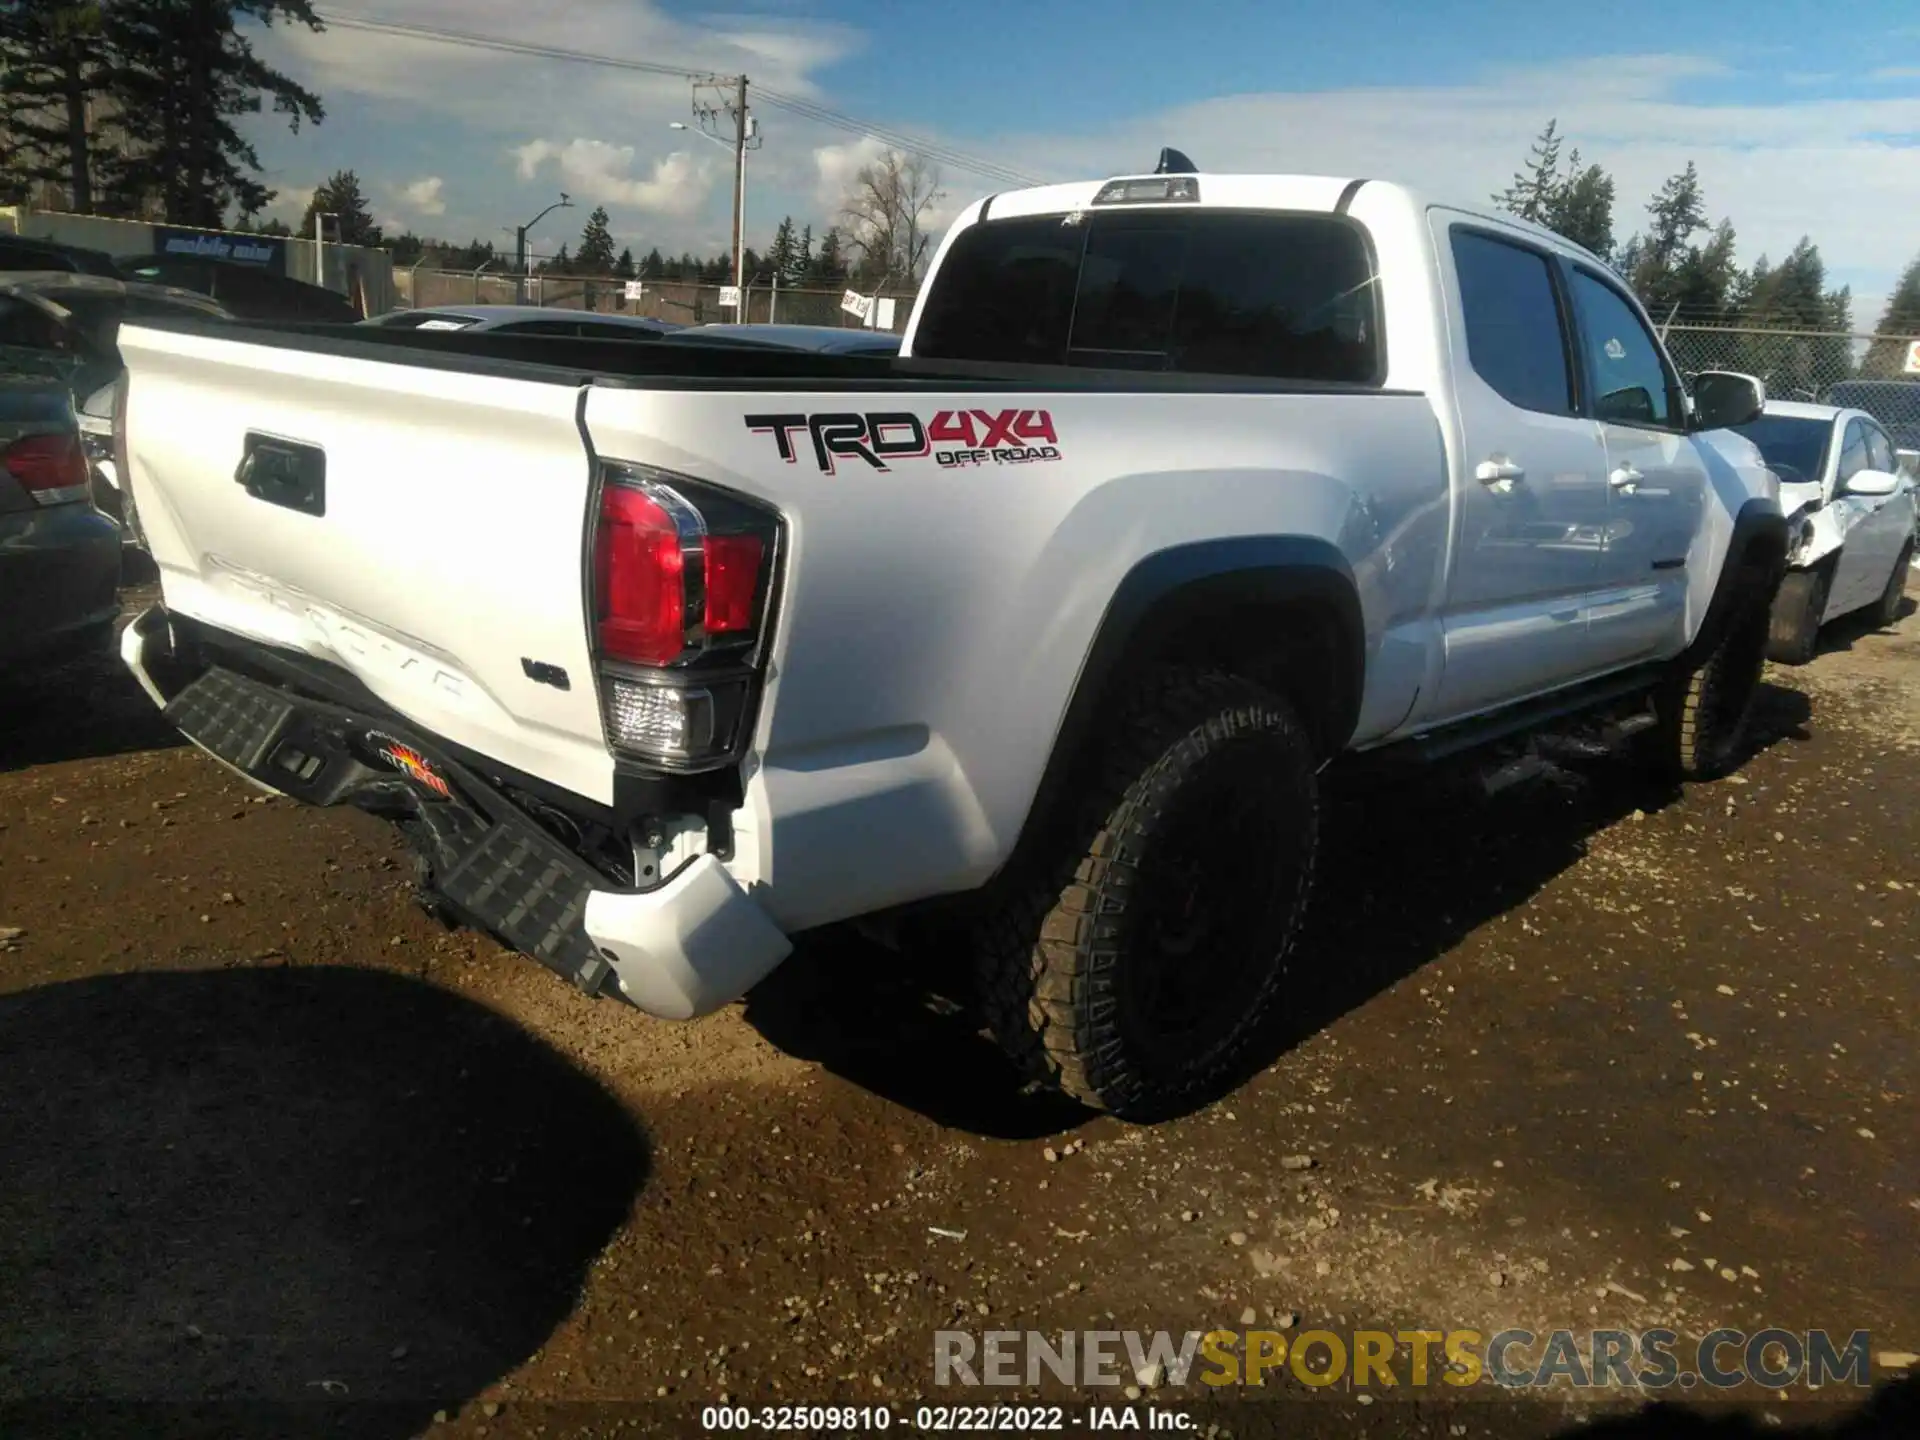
(805, 109)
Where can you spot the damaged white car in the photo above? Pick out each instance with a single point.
(1850, 515)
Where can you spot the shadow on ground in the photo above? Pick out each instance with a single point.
(1406, 871)
(319, 1199)
(86, 709)
(903, 1026)
(1891, 1413)
(1843, 634)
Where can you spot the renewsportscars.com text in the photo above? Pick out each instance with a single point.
(1386, 1359)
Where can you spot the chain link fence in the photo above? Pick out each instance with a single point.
(676, 301)
(1796, 364)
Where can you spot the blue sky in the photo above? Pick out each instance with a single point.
(1078, 64)
(1803, 119)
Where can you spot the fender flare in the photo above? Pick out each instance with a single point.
(1149, 617)
(1759, 532)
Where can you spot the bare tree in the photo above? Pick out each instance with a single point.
(884, 217)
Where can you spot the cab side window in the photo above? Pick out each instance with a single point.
(1631, 382)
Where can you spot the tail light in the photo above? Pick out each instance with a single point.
(50, 468)
(682, 585)
(122, 471)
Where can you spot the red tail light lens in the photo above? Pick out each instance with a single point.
(733, 582)
(51, 468)
(682, 585)
(639, 572)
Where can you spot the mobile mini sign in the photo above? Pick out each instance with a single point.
(265, 252)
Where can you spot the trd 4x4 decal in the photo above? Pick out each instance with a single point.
(977, 437)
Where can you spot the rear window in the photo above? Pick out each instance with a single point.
(1795, 448)
(1285, 297)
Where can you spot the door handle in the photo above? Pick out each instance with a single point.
(1499, 474)
(1626, 479)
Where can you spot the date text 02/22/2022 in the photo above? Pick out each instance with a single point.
(939, 1419)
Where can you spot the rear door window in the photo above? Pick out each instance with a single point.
(1516, 335)
(1285, 297)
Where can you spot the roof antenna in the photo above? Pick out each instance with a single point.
(1172, 162)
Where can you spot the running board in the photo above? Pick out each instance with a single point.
(1528, 716)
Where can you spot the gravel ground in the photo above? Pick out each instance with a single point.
(1581, 1055)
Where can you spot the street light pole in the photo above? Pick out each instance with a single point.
(520, 245)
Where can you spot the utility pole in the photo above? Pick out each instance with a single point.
(713, 97)
(740, 200)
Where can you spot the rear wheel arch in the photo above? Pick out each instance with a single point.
(1281, 611)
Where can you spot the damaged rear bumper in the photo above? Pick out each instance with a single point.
(678, 950)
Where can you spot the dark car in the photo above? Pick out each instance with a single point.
(59, 557)
(819, 339)
(17, 252)
(63, 328)
(526, 320)
(247, 292)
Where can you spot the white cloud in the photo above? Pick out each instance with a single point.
(834, 168)
(426, 195)
(1779, 166)
(1779, 159)
(594, 170)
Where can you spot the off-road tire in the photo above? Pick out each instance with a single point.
(1204, 799)
(1888, 610)
(1793, 632)
(1702, 709)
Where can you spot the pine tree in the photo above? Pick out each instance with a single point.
(829, 267)
(623, 267)
(1580, 207)
(1530, 196)
(1900, 323)
(1577, 204)
(801, 265)
(654, 267)
(185, 70)
(780, 253)
(1677, 212)
(339, 195)
(52, 66)
(1706, 279)
(595, 255)
(1793, 297)
(560, 264)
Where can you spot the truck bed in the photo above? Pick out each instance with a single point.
(918, 592)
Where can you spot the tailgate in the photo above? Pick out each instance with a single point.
(422, 528)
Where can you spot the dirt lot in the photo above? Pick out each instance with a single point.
(1582, 1055)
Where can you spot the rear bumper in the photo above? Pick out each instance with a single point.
(678, 950)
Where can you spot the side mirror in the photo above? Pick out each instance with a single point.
(1725, 398)
(1870, 483)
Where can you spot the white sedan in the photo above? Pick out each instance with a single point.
(1852, 518)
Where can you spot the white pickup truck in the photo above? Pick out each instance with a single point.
(1182, 486)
